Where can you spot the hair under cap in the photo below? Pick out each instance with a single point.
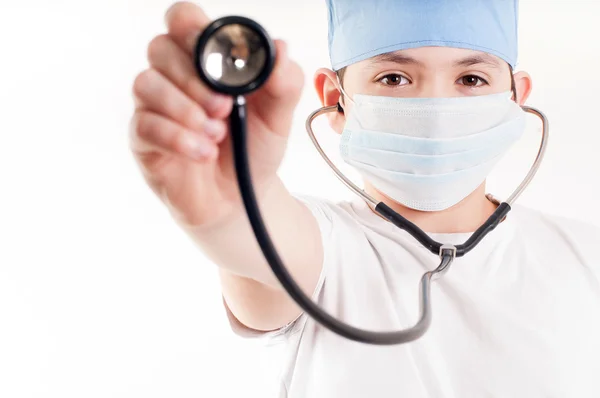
(361, 29)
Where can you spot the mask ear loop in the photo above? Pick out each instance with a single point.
(343, 95)
(513, 86)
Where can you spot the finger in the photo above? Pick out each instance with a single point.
(184, 22)
(157, 94)
(276, 101)
(170, 60)
(151, 132)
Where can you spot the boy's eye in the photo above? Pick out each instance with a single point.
(394, 80)
(472, 81)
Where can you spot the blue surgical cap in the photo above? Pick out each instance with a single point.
(361, 29)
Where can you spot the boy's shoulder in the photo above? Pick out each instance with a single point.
(543, 228)
(529, 216)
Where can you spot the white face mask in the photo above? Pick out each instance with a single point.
(429, 153)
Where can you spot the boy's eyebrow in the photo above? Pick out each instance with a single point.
(478, 59)
(396, 58)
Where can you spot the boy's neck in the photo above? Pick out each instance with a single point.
(466, 216)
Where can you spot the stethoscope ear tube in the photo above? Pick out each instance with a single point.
(447, 253)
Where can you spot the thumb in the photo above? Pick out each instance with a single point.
(276, 101)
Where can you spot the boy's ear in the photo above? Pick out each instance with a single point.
(326, 84)
(523, 86)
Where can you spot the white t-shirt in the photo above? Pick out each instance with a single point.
(518, 316)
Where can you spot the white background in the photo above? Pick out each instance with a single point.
(100, 294)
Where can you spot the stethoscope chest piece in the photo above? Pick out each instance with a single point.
(234, 55)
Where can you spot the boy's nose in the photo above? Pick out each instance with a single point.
(435, 88)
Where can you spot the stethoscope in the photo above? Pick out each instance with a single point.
(235, 56)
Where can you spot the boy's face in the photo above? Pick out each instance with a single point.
(422, 72)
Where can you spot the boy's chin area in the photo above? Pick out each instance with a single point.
(464, 217)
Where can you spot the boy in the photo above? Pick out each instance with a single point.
(517, 316)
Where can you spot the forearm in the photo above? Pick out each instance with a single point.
(293, 230)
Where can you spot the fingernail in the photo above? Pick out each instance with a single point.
(195, 148)
(284, 48)
(284, 56)
(214, 128)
